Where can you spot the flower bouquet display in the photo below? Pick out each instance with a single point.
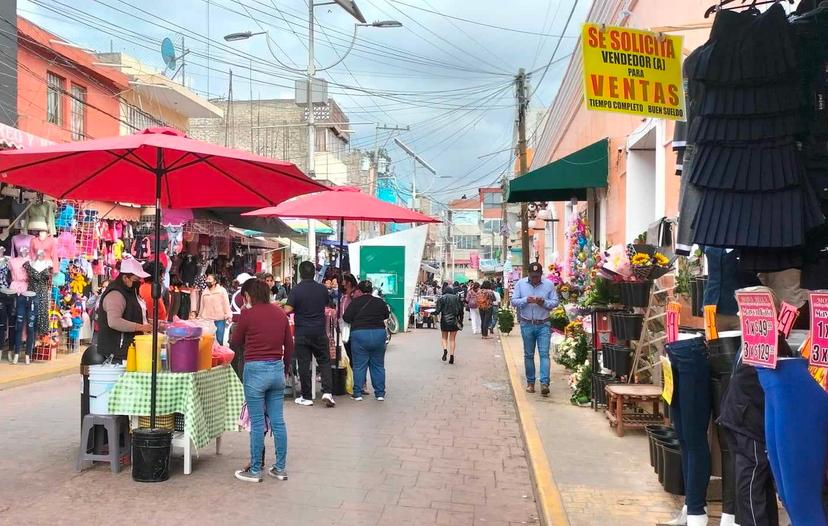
(580, 381)
(649, 262)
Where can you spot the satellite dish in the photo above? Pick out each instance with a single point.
(168, 53)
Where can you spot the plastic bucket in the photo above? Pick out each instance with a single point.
(671, 474)
(205, 351)
(102, 379)
(151, 454)
(143, 352)
(183, 355)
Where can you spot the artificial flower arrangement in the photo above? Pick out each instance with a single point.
(649, 262)
(555, 274)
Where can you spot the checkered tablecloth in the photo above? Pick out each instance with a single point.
(210, 400)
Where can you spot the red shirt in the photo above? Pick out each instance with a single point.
(264, 332)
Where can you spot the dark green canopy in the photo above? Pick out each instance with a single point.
(565, 178)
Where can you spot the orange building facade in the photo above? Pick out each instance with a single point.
(62, 94)
(641, 183)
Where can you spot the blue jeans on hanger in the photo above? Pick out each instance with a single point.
(26, 314)
(796, 434)
(690, 413)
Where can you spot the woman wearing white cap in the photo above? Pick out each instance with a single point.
(122, 314)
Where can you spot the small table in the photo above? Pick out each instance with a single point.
(619, 395)
(210, 400)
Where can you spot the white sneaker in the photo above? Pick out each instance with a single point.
(697, 520)
(16, 357)
(328, 399)
(303, 401)
(357, 398)
(680, 519)
(380, 399)
(728, 519)
(28, 360)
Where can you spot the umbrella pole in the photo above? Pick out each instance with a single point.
(339, 301)
(156, 285)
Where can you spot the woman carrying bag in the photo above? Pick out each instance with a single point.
(367, 314)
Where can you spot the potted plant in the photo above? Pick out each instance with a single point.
(505, 321)
(580, 382)
(558, 318)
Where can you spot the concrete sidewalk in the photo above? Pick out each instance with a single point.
(21, 374)
(599, 478)
(445, 448)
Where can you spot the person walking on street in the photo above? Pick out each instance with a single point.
(264, 331)
(485, 306)
(307, 301)
(534, 297)
(474, 311)
(498, 299)
(215, 306)
(367, 314)
(450, 309)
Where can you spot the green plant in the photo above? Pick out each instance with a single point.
(602, 292)
(558, 318)
(581, 384)
(688, 268)
(505, 320)
(573, 351)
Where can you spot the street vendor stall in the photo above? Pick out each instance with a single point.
(158, 167)
(208, 402)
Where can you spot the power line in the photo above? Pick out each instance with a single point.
(475, 22)
(555, 51)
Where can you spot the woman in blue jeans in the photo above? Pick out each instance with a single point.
(367, 315)
(264, 332)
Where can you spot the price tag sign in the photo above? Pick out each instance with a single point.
(667, 371)
(819, 329)
(673, 318)
(787, 318)
(759, 328)
(710, 331)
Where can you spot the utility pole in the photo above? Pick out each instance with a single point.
(372, 186)
(523, 102)
(311, 126)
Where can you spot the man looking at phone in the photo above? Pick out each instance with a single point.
(534, 297)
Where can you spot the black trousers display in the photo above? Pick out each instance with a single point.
(722, 354)
(308, 348)
(756, 494)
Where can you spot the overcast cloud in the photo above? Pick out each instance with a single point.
(446, 78)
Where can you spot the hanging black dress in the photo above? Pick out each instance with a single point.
(40, 282)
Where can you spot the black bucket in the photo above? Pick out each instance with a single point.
(635, 293)
(339, 379)
(608, 355)
(652, 430)
(623, 361)
(626, 326)
(151, 454)
(659, 440)
(673, 477)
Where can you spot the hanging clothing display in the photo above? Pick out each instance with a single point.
(40, 282)
(796, 413)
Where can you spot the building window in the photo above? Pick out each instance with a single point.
(466, 242)
(491, 226)
(137, 119)
(55, 87)
(492, 200)
(78, 113)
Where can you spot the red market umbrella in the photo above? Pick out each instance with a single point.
(343, 203)
(159, 166)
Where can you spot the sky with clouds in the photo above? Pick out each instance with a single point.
(450, 80)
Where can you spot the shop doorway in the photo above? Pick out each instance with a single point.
(641, 180)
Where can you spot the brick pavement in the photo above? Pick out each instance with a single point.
(444, 449)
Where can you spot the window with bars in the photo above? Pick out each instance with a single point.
(78, 112)
(55, 87)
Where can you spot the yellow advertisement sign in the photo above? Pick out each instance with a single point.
(632, 71)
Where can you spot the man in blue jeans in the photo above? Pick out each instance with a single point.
(534, 297)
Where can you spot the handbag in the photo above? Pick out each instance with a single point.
(345, 328)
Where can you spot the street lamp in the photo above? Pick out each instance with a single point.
(351, 8)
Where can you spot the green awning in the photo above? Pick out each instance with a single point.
(565, 178)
